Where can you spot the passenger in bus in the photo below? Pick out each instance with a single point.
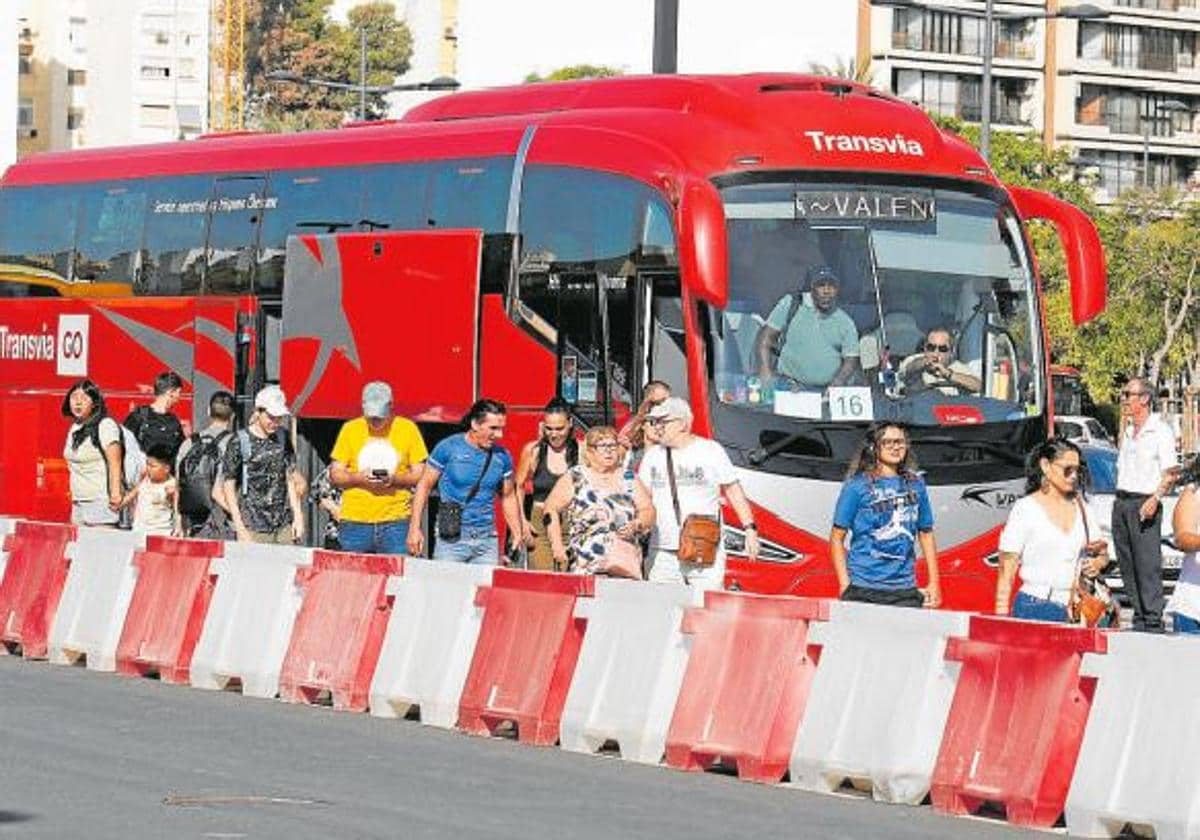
(261, 483)
(376, 461)
(936, 369)
(93, 455)
(686, 474)
(885, 508)
(542, 463)
(1051, 536)
(811, 345)
(154, 425)
(608, 510)
(470, 469)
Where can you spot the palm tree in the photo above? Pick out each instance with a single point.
(847, 68)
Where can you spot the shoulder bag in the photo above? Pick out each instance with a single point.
(699, 535)
(1090, 600)
(449, 515)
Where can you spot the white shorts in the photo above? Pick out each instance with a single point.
(663, 566)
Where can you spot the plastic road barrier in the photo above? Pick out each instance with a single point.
(170, 600)
(430, 640)
(32, 585)
(250, 618)
(1138, 764)
(525, 655)
(630, 668)
(339, 631)
(6, 527)
(746, 683)
(95, 599)
(879, 701)
(1017, 718)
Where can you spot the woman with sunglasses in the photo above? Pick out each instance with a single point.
(604, 503)
(885, 508)
(1050, 534)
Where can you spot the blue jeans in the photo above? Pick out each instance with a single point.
(1185, 623)
(1037, 609)
(374, 537)
(474, 546)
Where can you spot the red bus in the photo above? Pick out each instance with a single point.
(613, 230)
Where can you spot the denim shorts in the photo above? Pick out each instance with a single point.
(374, 537)
(474, 546)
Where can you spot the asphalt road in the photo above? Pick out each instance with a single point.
(100, 756)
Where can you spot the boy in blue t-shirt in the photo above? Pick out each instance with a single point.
(455, 466)
(885, 507)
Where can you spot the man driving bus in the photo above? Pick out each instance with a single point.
(935, 369)
(813, 344)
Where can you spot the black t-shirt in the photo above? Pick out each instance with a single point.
(263, 495)
(156, 431)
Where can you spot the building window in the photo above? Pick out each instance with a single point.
(24, 65)
(25, 117)
(74, 119)
(1138, 47)
(155, 116)
(155, 71)
(1121, 171)
(76, 78)
(77, 34)
(1132, 112)
(953, 95)
(926, 30)
(187, 68)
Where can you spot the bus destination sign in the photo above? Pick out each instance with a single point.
(866, 205)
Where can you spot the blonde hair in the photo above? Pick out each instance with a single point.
(596, 435)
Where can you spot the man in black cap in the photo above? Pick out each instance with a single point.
(814, 344)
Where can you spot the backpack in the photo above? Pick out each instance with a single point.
(155, 430)
(133, 459)
(198, 474)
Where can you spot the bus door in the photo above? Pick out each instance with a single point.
(661, 348)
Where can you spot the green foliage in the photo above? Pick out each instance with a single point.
(576, 71)
(845, 68)
(297, 36)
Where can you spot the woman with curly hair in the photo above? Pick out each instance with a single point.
(885, 508)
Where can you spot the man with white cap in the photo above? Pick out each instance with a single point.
(259, 477)
(686, 474)
(377, 460)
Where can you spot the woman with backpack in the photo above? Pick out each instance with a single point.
(93, 451)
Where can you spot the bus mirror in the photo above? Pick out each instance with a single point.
(1081, 244)
(703, 248)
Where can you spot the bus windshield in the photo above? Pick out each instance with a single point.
(850, 303)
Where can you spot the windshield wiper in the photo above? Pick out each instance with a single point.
(1006, 455)
(762, 453)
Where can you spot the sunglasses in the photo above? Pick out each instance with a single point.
(1070, 470)
(940, 348)
(658, 421)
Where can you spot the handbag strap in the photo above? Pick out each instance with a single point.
(674, 491)
(487, 462)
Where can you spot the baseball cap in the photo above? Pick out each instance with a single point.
(377, 399)
(672, 407)
(271, 400)
(819, 274)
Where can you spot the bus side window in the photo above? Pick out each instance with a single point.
(311, 201)
(108, 247)
(174, 236)
(37, 229)
(395, 197)
(235, 214)
(470, 194)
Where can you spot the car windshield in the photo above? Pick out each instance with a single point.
(850, 303)
(1102, 470)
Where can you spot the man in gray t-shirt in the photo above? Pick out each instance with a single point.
(814, 345)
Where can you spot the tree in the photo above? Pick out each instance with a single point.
(297, 36)
(576, 71)
(848, 68)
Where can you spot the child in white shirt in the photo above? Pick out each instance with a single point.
(155, 498)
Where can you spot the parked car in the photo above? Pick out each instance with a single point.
(1083, 430)
(1102, 472)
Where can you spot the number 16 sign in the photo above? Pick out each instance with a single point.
(851, 403)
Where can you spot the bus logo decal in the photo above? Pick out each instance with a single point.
(898, 144)
(999, 497)
(72, 358)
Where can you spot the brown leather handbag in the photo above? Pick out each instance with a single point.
(699, 535)
(1090, 602)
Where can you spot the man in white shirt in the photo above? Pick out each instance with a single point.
(702, 470)
(1146, 470)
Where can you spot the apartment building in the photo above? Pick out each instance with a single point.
(110, 72)
(1120, 89)
(9, 58)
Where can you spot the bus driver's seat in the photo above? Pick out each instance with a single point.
(903, 339)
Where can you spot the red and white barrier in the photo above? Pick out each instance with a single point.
(879, 701)
(430, 640)
(6, 527)
(1138, 761)
(630, 668)
(95, 598)
(250, 618)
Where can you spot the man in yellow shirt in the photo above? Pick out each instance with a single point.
(376, 461)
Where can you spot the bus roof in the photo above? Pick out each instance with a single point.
(646, 126)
